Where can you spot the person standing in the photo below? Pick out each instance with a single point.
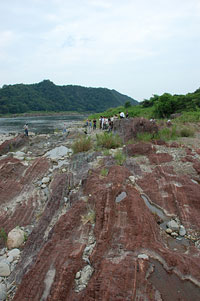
(94, 124)
(26, 129)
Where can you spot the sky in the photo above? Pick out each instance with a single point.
(137, 47)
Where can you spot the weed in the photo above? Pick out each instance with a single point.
(106, 152)
(120, 157)
(82, 145)
(89, 217)
(108, 140)
(25, 236)
(104, 172)
(3, 235)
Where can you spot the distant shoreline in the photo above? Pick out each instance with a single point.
(35, 114)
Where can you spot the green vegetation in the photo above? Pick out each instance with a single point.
(166, 134)
(104, 172)
(83, 144)
(120, 157)
(108, 140)
(187, 132)
(46, 96)
(3, 235)
(162, 107)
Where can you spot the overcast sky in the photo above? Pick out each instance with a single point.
(137, 47)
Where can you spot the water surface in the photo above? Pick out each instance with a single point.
(38, 124)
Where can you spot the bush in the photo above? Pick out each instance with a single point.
(108, 140)
(82, 145)
(186, 132)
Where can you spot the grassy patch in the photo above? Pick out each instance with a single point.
(106, 152)
(82, 145)
(144, 136)
(120, 157)
(108, 140)
(104, 172)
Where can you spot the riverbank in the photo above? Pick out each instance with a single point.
(37, 114)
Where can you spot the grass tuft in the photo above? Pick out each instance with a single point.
(82, 145)
(108, 140)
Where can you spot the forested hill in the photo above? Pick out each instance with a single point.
(46, 96)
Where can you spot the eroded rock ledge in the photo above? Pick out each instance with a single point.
(102, 237)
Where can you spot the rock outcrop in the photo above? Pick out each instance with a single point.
(131, 233)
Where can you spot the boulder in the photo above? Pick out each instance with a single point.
(173, 225)
(15, 238)
(4, 269)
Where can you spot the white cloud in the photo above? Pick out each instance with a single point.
(119, 44)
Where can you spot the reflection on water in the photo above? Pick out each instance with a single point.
(38, 124)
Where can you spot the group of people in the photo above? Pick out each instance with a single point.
(105, 123)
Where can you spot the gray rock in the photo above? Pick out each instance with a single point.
(2, 292)
(2, 251)
(10, 258)
(45, 180)
(182, 231)
(143, 256)
(4, 269)
(78, 275)
(173, 225)
(174, 234)
(14, 252)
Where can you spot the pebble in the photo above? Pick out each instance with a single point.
(182, 231)
(78, 275)
(174, 234)
(132, 179)
(169, 231)
(45, 180)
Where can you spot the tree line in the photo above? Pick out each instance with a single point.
(165, 105)
(46, 96)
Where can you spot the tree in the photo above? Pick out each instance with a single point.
(127, 104)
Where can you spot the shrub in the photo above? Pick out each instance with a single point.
(120, 157)
(82, 145)
(186, 132)
(108, 140)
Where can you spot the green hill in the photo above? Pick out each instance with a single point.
(46, 96)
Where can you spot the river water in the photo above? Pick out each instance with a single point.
(38, 124)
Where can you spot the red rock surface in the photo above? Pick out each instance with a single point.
(129, 128)
(124, 226)
(13, 144)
